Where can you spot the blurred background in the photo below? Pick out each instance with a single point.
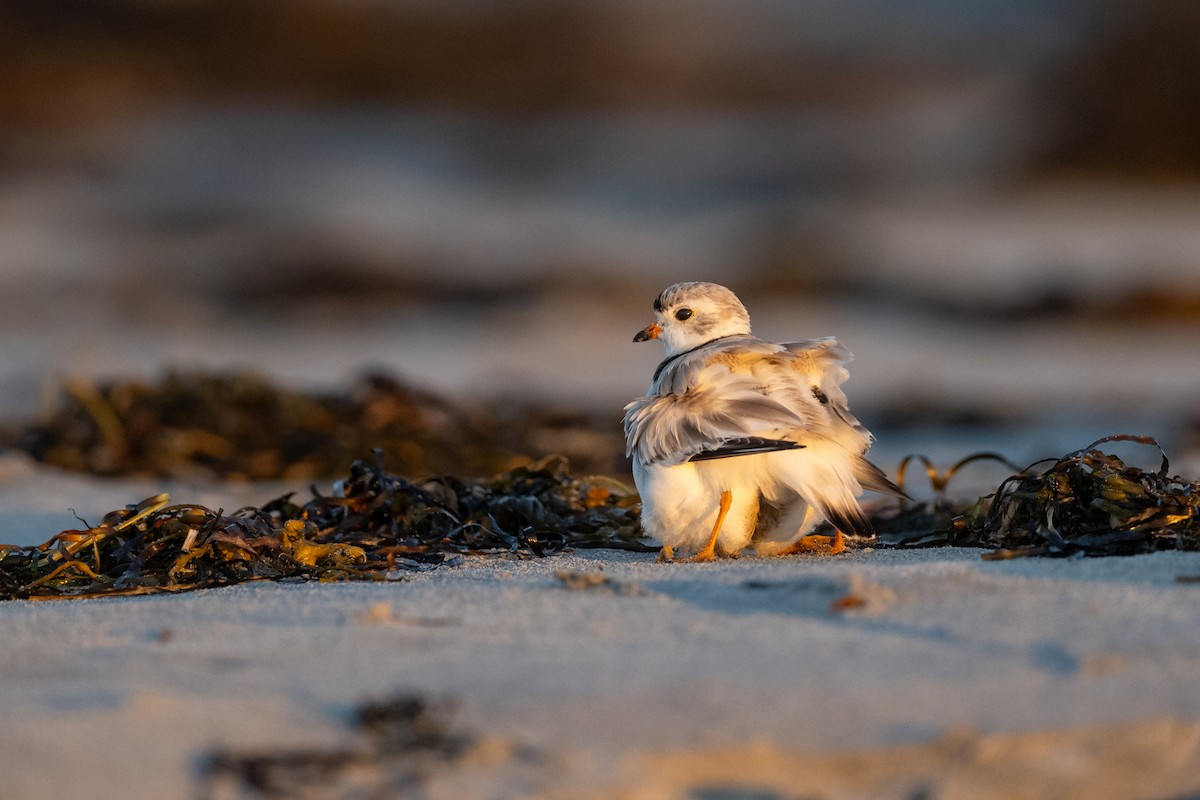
(994, 203)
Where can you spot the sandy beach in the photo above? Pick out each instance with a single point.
(879, 673)
(992, 205)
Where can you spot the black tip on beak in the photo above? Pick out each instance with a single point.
(647, 333)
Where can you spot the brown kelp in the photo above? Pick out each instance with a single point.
(375, 524)
(198, 425)
(1091, 502)
(1088, 502)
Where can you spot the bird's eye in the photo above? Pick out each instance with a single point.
(683, 314)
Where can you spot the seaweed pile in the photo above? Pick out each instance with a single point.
(1088, 502)
(197, 425)
(375, 525)
(372, 525)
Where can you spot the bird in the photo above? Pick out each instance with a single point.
(743, 443)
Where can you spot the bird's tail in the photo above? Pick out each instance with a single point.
(847, 516)
(873, 478)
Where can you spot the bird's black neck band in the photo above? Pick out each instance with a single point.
(666, 362)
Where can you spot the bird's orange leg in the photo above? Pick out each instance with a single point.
(666, 554)
(709, 551)
(814, 543)
(818, 545)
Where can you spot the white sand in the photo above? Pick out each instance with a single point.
(688, 681)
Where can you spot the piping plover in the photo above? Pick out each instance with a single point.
(741, 442)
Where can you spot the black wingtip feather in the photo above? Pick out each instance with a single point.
(748, 446)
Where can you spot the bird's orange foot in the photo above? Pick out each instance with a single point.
(709, 551)
(815, 544)
(666, 555)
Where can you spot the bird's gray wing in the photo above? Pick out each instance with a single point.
(719, 405)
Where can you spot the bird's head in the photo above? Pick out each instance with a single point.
(690, 314)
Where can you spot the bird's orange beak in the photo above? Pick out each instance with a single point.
(647, 333)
